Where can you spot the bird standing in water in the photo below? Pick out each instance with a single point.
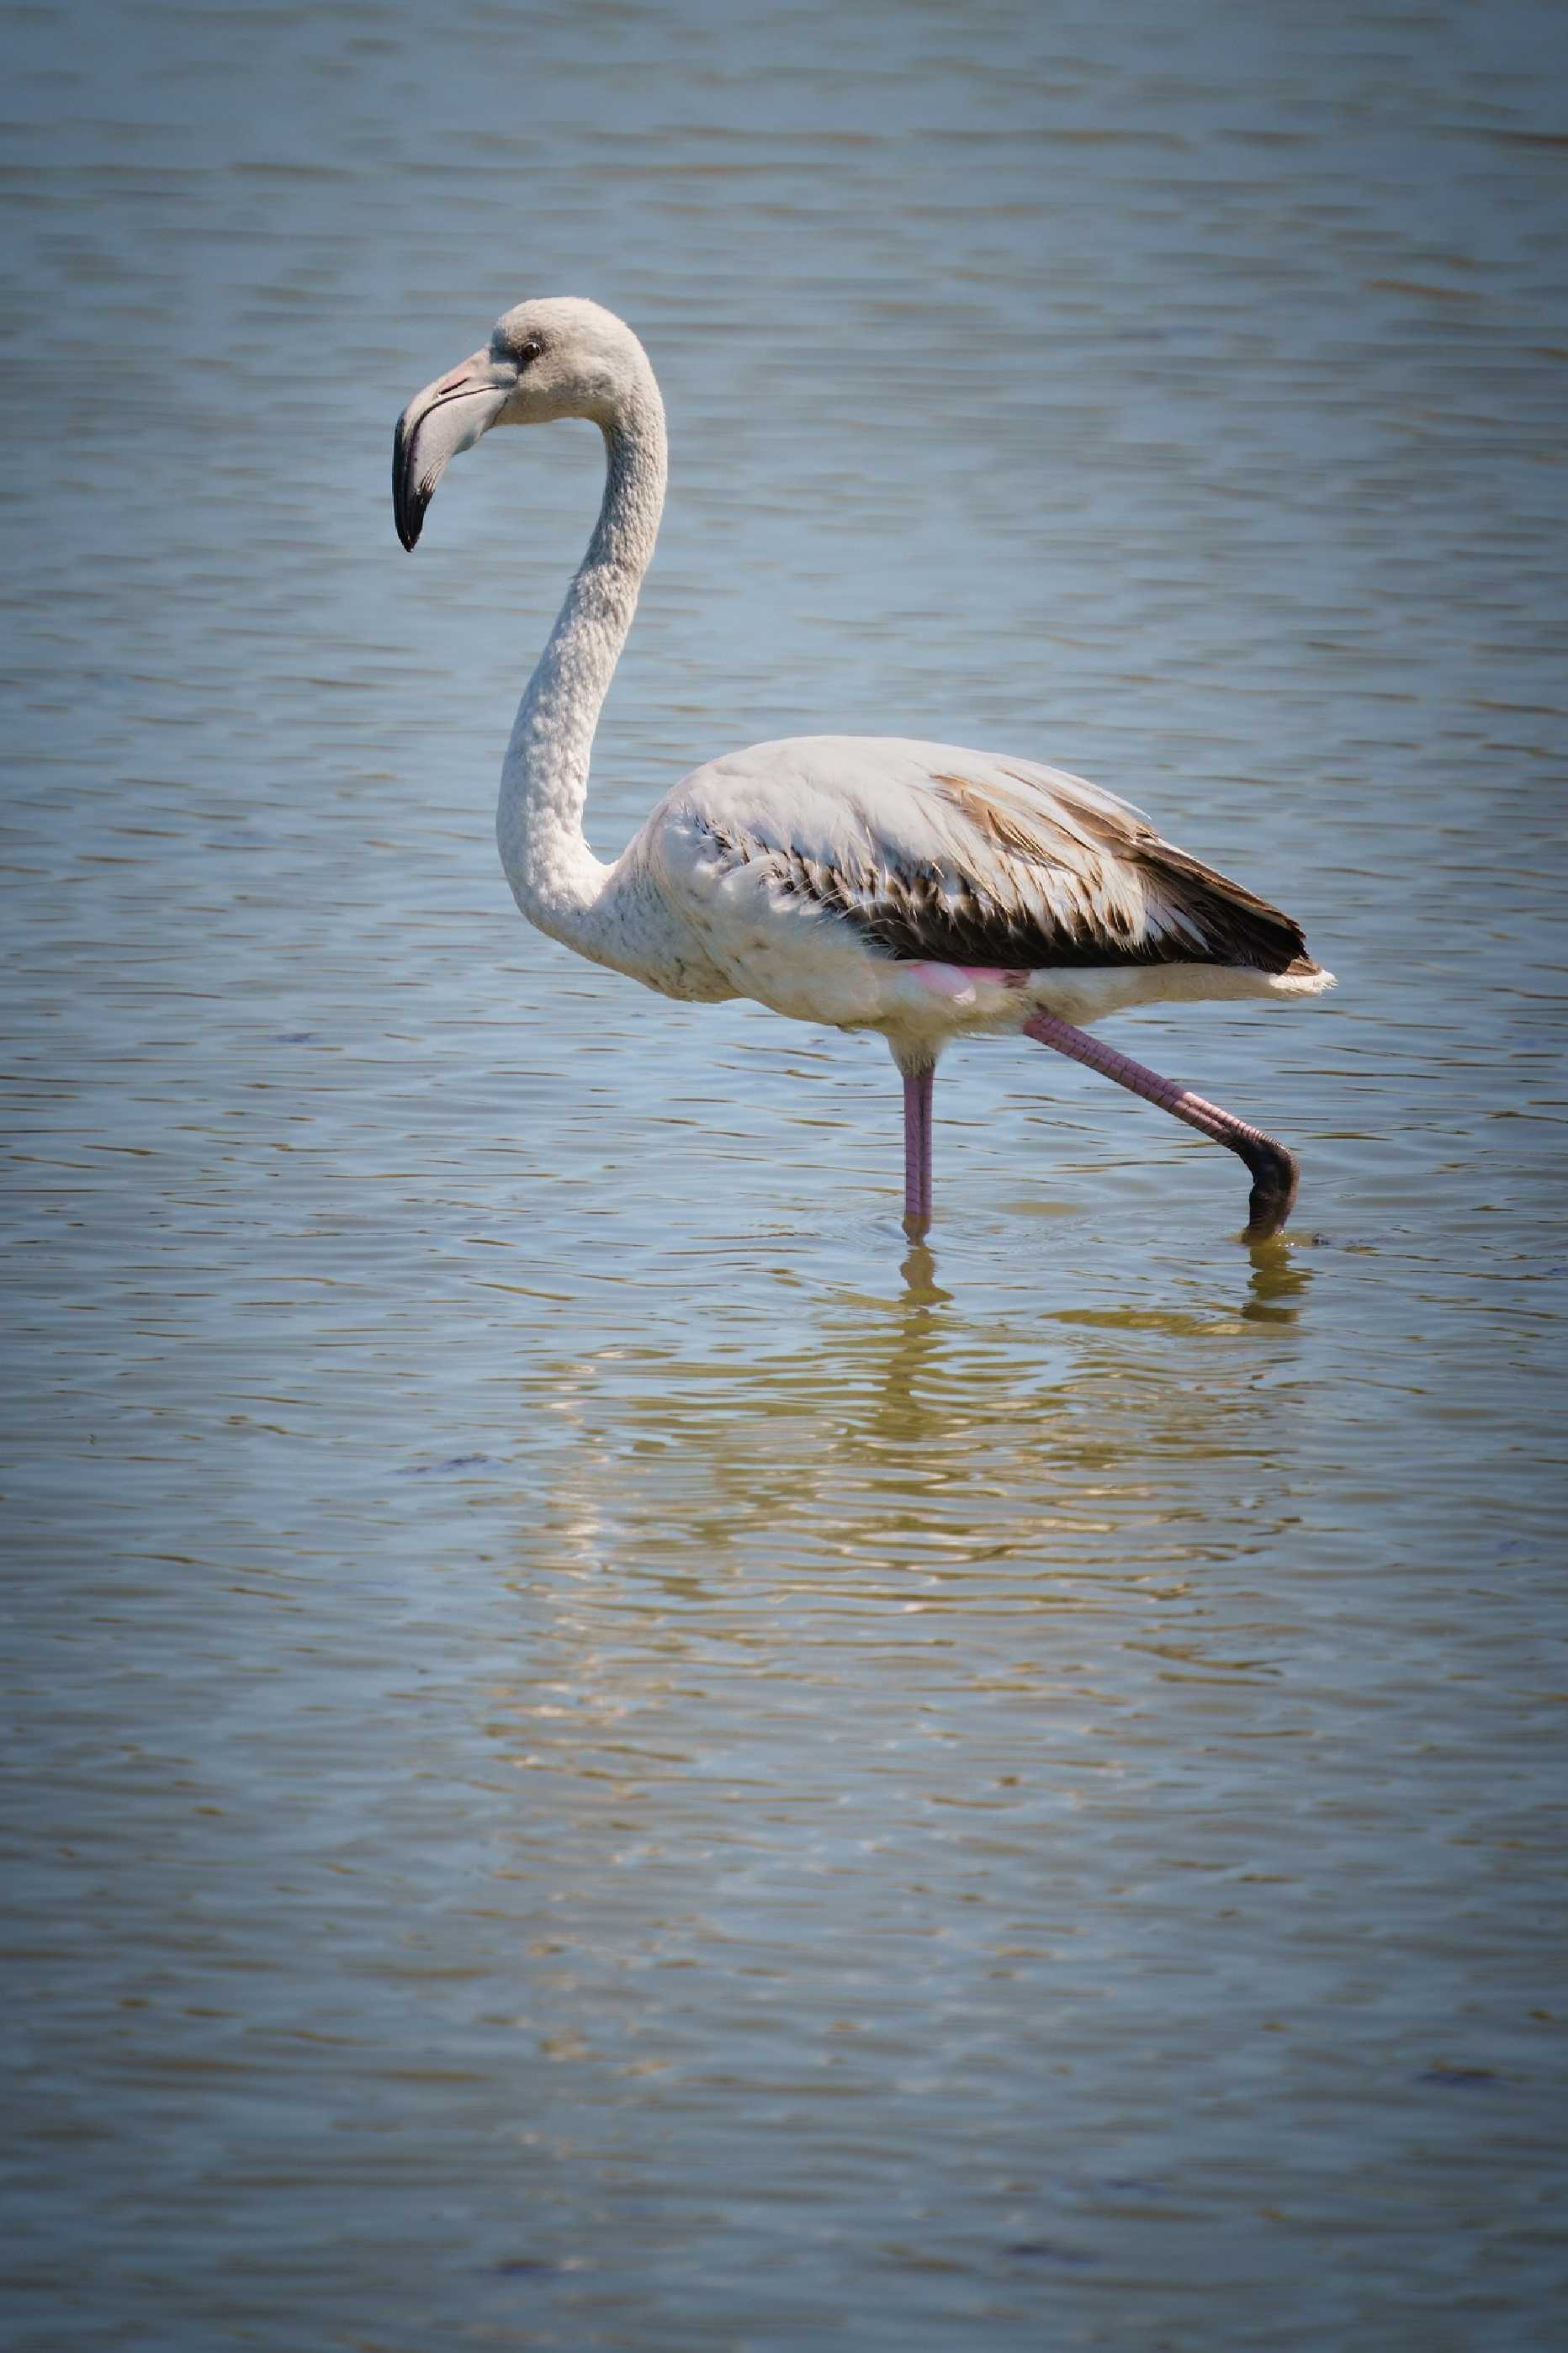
(867, 883)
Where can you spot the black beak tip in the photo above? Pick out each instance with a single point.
(408, 506)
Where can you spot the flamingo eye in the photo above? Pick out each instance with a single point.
(527, 352)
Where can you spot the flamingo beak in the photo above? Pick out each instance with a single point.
(438, 423)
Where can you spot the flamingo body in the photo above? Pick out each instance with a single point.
(923, 890)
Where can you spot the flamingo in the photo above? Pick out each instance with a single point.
(865, 882)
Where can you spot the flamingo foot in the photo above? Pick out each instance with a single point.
(1275, 1175)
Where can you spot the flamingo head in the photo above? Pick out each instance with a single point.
(560, 357)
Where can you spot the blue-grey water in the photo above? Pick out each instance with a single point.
(602, 1754)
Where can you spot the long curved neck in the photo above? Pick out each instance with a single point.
(554, 876)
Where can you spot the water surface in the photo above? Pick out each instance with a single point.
(605, 1754)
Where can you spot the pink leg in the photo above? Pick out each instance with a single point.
(917, 1148)
(1274, 1173)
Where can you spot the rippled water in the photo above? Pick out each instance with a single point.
(605, 1756)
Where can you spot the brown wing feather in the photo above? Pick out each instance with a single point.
(1234, 924)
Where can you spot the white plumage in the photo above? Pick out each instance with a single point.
(920, 890)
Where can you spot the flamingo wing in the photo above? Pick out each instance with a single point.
(933, 853)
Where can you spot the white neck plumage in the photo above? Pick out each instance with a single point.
(556, 878)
